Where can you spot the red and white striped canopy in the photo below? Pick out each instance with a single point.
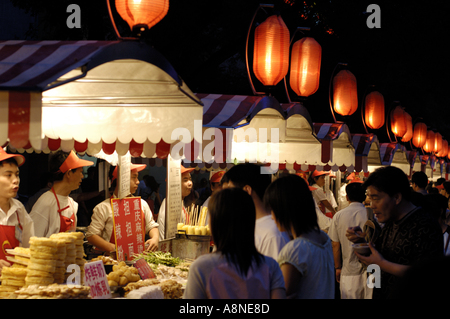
(366, 151)
(92, 96)
(337, 146)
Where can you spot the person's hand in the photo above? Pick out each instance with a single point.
(374, 258)
(152, 244)
(355, 234)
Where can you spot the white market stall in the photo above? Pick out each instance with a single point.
(393, 154)
(93, 97)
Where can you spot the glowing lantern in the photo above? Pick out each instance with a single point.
(306, 58)
(142, 13)
(409, 128)
(420, 134)
(374, 110)
(444, 151)
(345, 95)
(271, 51)
(429, 144)
(437, 142)
(398, 121)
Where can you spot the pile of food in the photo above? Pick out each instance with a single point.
(122, 275)
(165, 266)
(12, 278)
(53, 291)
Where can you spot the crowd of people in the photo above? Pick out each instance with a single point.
(278, 237)
(405, 229)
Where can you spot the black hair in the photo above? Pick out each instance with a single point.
(248, 174)
(232, 218)
(292, 203)
(10, 160)
(436, 205)
(420, 179)
(355, 192)
(390, 180)
(54, 163)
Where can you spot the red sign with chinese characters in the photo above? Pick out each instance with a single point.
(129, 227)
(95, 277)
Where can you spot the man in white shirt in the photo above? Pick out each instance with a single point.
(349, 271)
(55, 211)
(100, 232)
(16, 227)
(268, 239)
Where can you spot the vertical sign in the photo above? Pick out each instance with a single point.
(129, 227)
(173, 202)
(95, 277)
(123, 175)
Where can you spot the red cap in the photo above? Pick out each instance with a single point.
(72, 162)
(317, 173)
(217, 176)
(19, 158)
(138, 167)
(186, 170)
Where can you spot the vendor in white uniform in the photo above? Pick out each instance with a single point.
(318, 181)
(186, 188)
(16, 227)
(55, 211)
(100, 232)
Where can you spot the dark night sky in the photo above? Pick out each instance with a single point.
(406, 59)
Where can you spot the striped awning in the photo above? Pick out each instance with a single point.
(337, 145)
(107, 96)
(366, 145)
(26, 69)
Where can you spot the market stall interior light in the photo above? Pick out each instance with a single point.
(306, 56)
(271, 51)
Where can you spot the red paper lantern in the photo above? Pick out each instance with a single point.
(409, 128)
(399, 124)
(444, 151)
(306, 57)
(437, 142)
(374, 110)
(345, 94)
(420, 134)
(429, 144)
(271, 51)
(142, 12)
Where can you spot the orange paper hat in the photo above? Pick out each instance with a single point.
(186, 170)
(317, 173)
(217, 176)
(138, 167)
(72, 162)
(19, 158)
